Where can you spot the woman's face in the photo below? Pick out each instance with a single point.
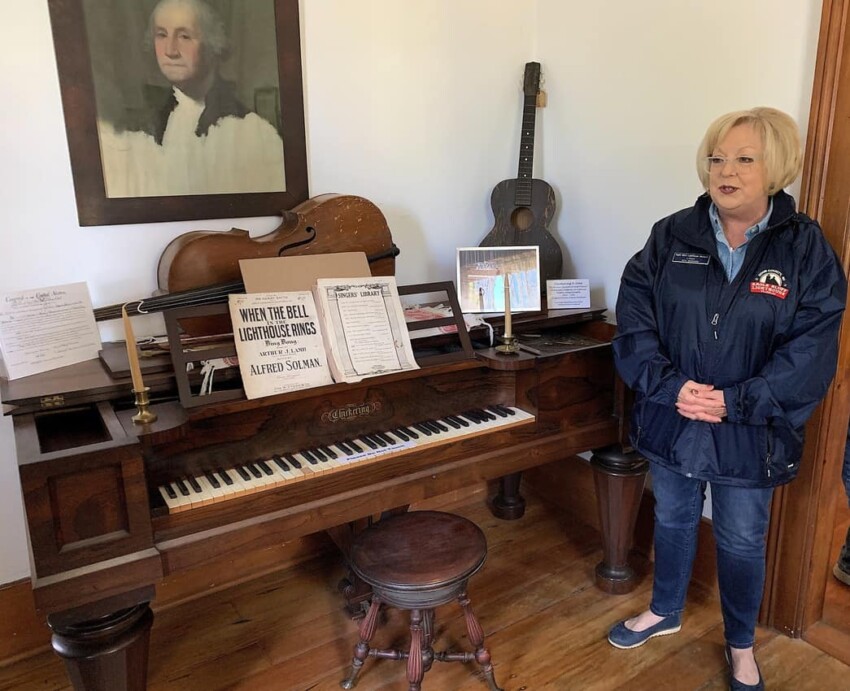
(738, 190)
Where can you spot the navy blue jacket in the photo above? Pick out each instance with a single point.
(768, 339)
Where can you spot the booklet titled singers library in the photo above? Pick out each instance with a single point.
(363, 327)
(344, 331)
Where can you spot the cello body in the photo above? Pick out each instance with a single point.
(322, 224)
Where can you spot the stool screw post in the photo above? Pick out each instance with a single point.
(476, 637)
(361, 650)
(415, 669)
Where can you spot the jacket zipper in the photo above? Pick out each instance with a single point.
(714, 323)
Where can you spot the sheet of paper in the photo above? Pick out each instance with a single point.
(46, 328)
(568, 294)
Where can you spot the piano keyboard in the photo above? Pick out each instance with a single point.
(220, 484)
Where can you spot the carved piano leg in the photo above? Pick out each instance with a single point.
(619, 478)
(106, 654)
(508, 504)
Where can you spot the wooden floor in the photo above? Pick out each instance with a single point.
(544, 620)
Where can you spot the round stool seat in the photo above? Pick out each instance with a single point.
(420, 558)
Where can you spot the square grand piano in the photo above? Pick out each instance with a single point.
(113, 507)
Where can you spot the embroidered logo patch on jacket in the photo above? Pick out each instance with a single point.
(770, 282)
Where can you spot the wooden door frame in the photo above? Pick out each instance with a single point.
(799, 559)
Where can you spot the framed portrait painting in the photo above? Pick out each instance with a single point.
(181, 109)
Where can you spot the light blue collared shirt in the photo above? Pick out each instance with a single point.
(733, 259)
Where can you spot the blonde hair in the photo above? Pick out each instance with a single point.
(783, 155)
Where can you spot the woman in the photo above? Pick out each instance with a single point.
(727, 325)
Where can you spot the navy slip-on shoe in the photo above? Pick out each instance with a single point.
(734, 684)
(623, 638)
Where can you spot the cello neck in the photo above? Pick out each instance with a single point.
(208, 295)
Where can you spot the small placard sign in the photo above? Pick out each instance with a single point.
(571, 293)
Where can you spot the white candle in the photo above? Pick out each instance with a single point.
(132, 352)
(508, 305)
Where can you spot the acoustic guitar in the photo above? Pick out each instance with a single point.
(524, 207)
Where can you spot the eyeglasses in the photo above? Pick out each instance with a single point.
(740, 164)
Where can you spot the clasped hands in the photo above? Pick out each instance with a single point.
(701, 402)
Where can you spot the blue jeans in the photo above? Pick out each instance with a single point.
(740, 519)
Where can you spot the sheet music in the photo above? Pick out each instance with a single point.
(279, 342)
(46, 328)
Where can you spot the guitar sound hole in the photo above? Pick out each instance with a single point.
(522, 218)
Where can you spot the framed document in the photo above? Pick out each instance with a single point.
(482, 273)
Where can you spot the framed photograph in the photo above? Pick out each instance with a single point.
(181, 109)
(484, 272)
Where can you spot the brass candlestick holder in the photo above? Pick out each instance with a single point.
(509, 345)
(145, 415)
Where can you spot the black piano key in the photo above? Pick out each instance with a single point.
(243, 473)
(460, 420)
(431, 425)
(182, 487)
(473, 417)
(354, 445)
(294, 462)
(169, 490)
(375, 437)
(328, 451)
(439, 425)
(212, 479)
(345, 448)
(386, 437)
(409, 432)
(448, 420)
(193, 483)
(401, 434)
(505, 409)
(317, 452)
(254, 470)
(495, 409)
(310, 457)
(224, 476)
(265, 467)
(280, 463)
(369, 442)
(422, 428)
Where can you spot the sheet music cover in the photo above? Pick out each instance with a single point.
(364, 327)
(279, 342)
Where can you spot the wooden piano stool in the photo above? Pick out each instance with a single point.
(418, 561)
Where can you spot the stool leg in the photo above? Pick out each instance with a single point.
(361, 650)
(428, 638)
(415, 668)
(476, 637)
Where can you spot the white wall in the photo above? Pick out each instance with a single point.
(415, 105)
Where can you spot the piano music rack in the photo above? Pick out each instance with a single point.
(454, 345)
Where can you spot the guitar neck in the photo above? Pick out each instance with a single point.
(526, 152)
